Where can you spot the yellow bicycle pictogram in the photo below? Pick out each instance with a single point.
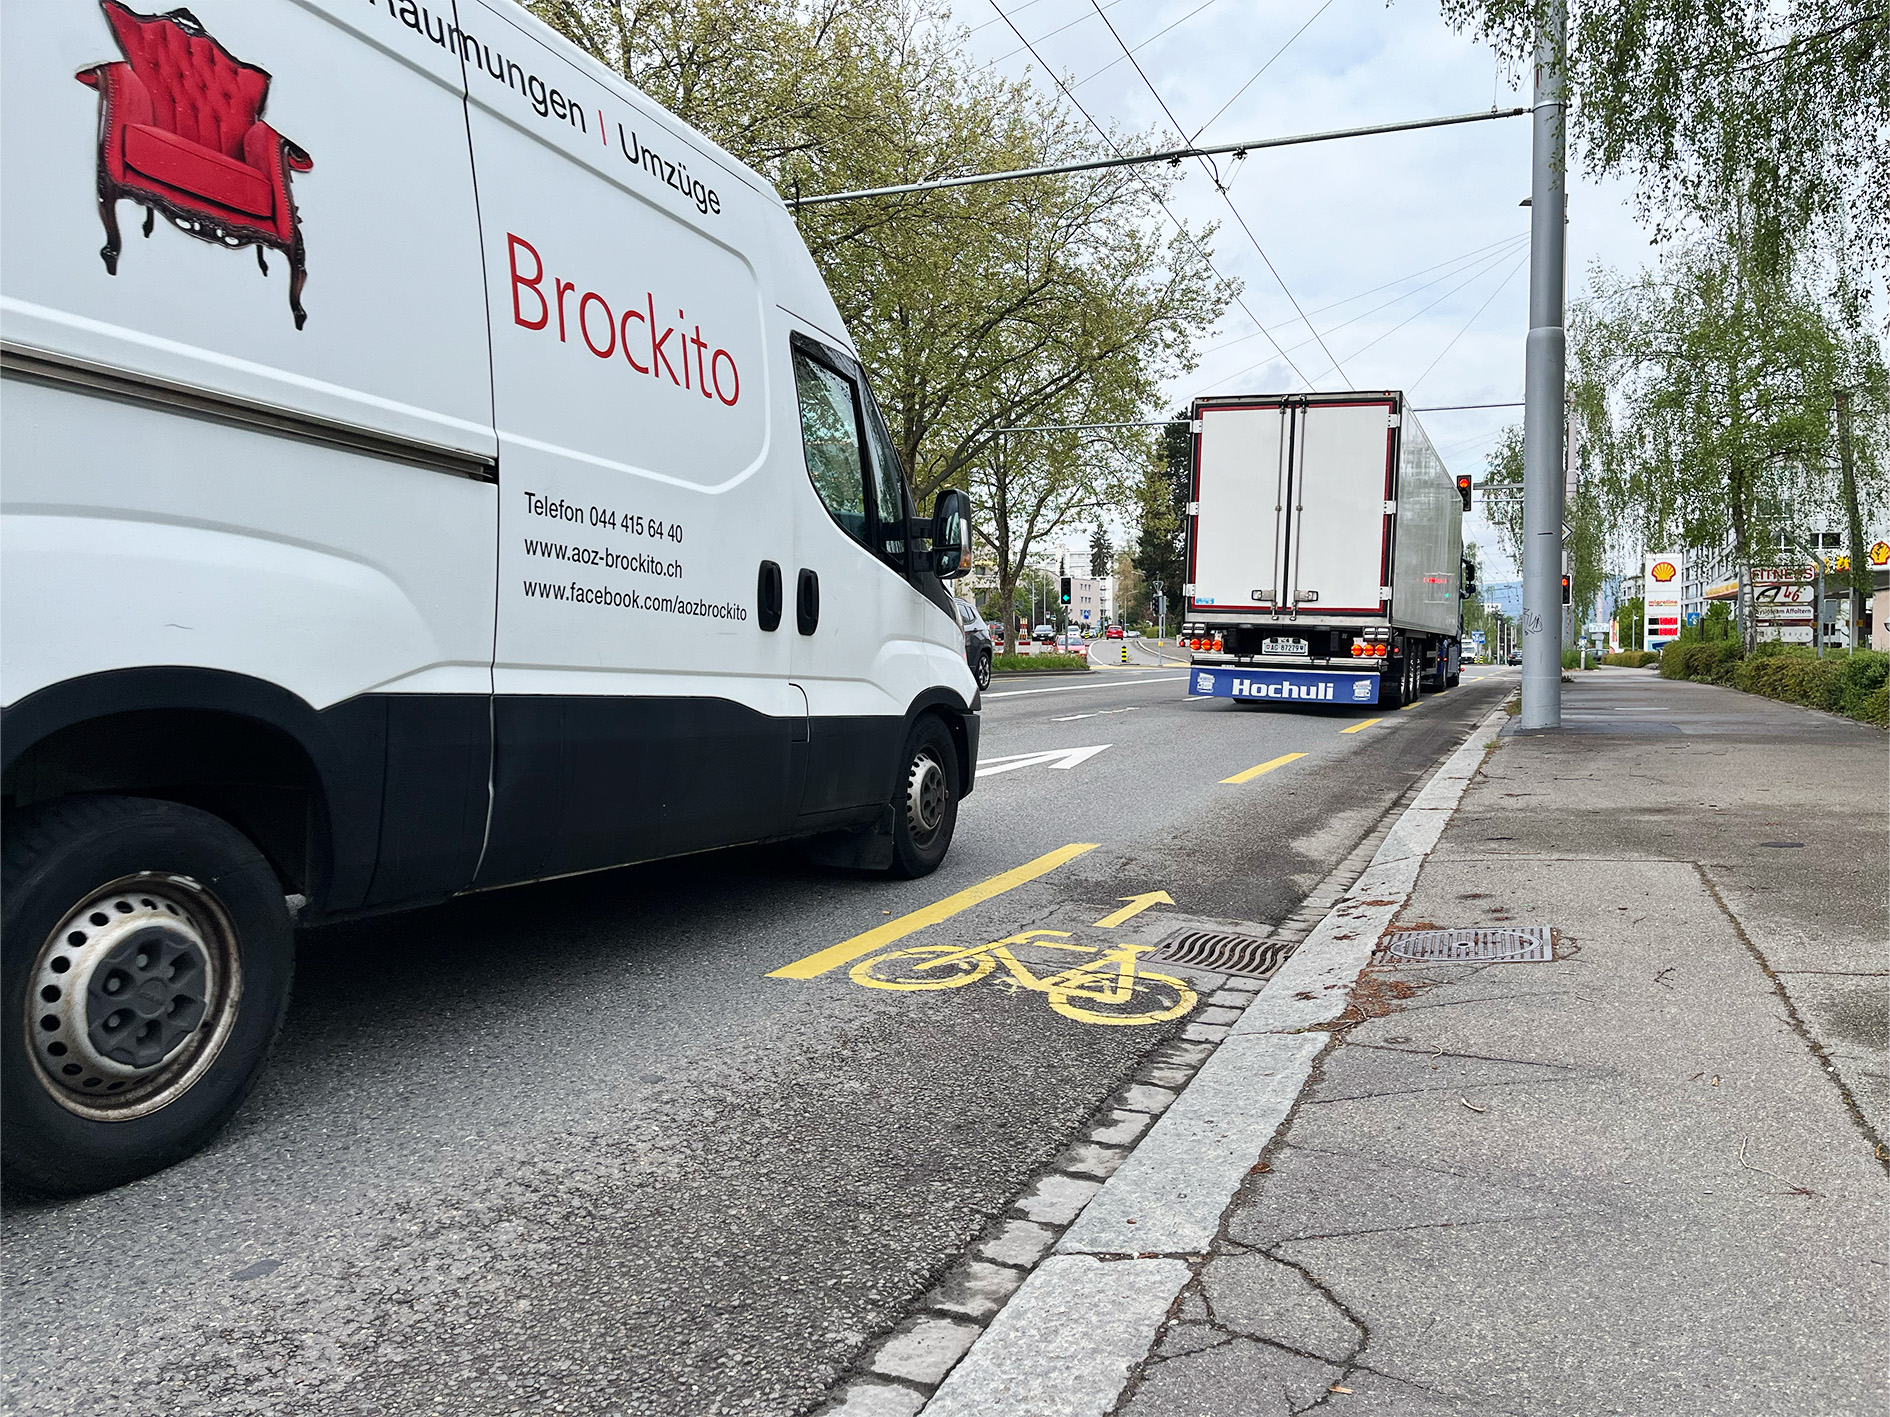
(1107, 989)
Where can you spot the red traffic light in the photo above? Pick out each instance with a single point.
(1463, 489)
(1565, 590)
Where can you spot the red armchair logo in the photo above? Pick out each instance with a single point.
(180, 131)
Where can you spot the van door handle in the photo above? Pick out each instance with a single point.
(807, 602)
(768, 595)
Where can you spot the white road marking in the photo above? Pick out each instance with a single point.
(1074, 688)
(1093, 713)
(1064, 758)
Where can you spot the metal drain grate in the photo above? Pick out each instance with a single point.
(1224, 954)
(1529, 944)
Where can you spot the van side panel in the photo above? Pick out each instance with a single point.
(194, 481)
(641, 709)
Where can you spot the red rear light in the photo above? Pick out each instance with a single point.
(1381, 650)
(1358, 650)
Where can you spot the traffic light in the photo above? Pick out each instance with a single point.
(1065, 589)
(1565, 590)
(1463, 489)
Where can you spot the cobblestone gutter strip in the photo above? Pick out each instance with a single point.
(1015, 1330)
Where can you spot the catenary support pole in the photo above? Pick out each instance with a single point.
(1860, 577)
(1544, 402)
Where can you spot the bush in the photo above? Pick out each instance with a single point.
(1572, 659)
(1002, 662)
(1632, 658)
(1856, 684)
(1711, 661)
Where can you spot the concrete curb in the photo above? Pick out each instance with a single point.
(1067, 1343)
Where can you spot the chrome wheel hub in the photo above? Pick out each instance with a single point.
(132, 996)
(926, 797)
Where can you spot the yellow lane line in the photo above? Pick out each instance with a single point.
(1252, 773)
(1357, 726)
(847, 951)
(1413, 704)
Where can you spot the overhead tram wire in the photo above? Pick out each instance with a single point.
(1215, 177)
(1102, 132)
(1261, 70)
(1466, 326)
(1098, 73)
(1470, 257)
(1172, 156)
(1049, 34)
(1483, 266)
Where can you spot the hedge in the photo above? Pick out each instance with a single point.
(1856, 684)
(1632, 658)
(1024, 663)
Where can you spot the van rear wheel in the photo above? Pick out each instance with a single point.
(925, 810)
(145, 959)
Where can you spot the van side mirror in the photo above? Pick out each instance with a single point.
(951, 535)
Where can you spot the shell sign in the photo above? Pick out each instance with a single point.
(1664, 571)
(1880, 553)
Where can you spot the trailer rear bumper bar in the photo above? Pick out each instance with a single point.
(1283, 685)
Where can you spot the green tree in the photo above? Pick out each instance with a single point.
(1160, 553)
(1053, 300)
(1102, 553)
(1704, 392)
(1780, 106)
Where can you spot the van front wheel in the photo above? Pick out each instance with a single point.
(925, 811)
(145, 957)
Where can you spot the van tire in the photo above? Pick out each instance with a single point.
(159, 873)
(925, 804)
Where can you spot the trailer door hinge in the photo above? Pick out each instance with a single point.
(1194, 509)
(1384, 593)
(1394, 420)
(1194, 425)
(1391, 507)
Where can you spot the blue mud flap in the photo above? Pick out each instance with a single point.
(1283, 685)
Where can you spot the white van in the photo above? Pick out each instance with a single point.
(467, 481)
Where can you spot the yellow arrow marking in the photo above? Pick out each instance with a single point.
(1252, 773)
(1137, 904)
(1357, 726)
(847, 951)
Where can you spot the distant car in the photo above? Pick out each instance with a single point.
(1132, 634)
(1044, 634)
(996, 631)
(1514, 657)
(1072, 640)
(1114, 632)
(978, 642)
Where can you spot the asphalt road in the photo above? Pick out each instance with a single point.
(569, 1148)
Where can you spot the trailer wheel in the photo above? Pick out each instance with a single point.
(925, 810)
(145, 959)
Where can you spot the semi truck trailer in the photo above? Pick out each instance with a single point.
(1325, 552)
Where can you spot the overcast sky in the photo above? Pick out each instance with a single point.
(1339, 220)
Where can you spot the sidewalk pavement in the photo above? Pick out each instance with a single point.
(1647, 1177)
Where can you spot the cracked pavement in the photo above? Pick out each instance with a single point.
(1644, 1178)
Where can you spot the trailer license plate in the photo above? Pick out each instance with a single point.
(1282, 646)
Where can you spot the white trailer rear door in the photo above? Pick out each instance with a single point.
(1342, 465)
(1240, 486)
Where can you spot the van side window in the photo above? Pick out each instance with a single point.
(889, 487)
(830, 432)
